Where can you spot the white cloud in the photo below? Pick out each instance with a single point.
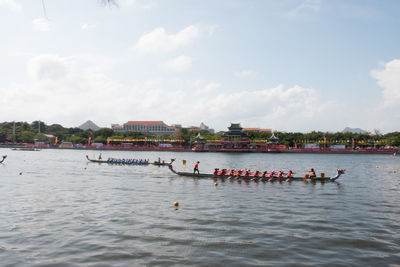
(388, 79)
(159, 41)
(246, 74)
(69, 90)
(63, 90)
(47, 67)
(138, 4)
(11, 4)
(87, 26)
(210, 87)
(178, 64)
(127, 2)
(306, 6)
(41, 24)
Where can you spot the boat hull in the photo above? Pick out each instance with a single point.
(207, 175)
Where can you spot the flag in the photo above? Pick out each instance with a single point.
(108, 140)
(90, 138)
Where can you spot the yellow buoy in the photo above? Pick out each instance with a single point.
(215, 184)
(377, 166)
(176, 203)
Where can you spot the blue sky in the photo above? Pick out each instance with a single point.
(295, 65)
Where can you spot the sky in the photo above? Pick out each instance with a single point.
(287, 65)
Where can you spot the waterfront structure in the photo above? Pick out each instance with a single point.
(256, 130)
(146, 127)
(237, 140)
(235, 133)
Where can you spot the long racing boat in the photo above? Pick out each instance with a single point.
(339, 172)
(119, 161)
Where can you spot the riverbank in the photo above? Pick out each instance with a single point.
(183, 149)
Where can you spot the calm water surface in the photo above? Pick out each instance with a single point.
(63, 211)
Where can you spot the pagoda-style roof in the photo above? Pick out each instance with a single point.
(273, 139)
(199, 138)
(235, 131)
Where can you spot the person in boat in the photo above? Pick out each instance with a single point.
(280, 174)
(100, 157)
(256, 173)
(196, 168)
(289, 174)
(272, 174)
(312, 173)
(239, 173)
(216, 171)
(232, 173)
(263, 175)
(247, 174)
(223, 172)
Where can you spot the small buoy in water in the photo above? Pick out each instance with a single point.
(20, 173)
(394, 171)
(85, 168)
(215, 184)
(176, 203)
(377, 166)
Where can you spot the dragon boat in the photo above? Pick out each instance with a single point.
(119, 161)
(4, 157)
(339, 172)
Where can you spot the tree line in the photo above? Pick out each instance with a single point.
(37, 131)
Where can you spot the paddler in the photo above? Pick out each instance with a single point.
(264, 174)
(289, 174)
(272, 174)
(312, 175)
(239, 173)
(216, 171)
(280, 174)
(256, 173)
(223, 172)
(247, 173)
(232, 173)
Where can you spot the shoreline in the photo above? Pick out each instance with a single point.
(33, 148)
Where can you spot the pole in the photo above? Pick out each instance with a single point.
(14, 131)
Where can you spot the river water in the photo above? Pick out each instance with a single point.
(56, 209)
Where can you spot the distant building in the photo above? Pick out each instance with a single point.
(147, 127)
(206, 128)
(89, 125)
(235, 133)
(256, 130)
(201, 127)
